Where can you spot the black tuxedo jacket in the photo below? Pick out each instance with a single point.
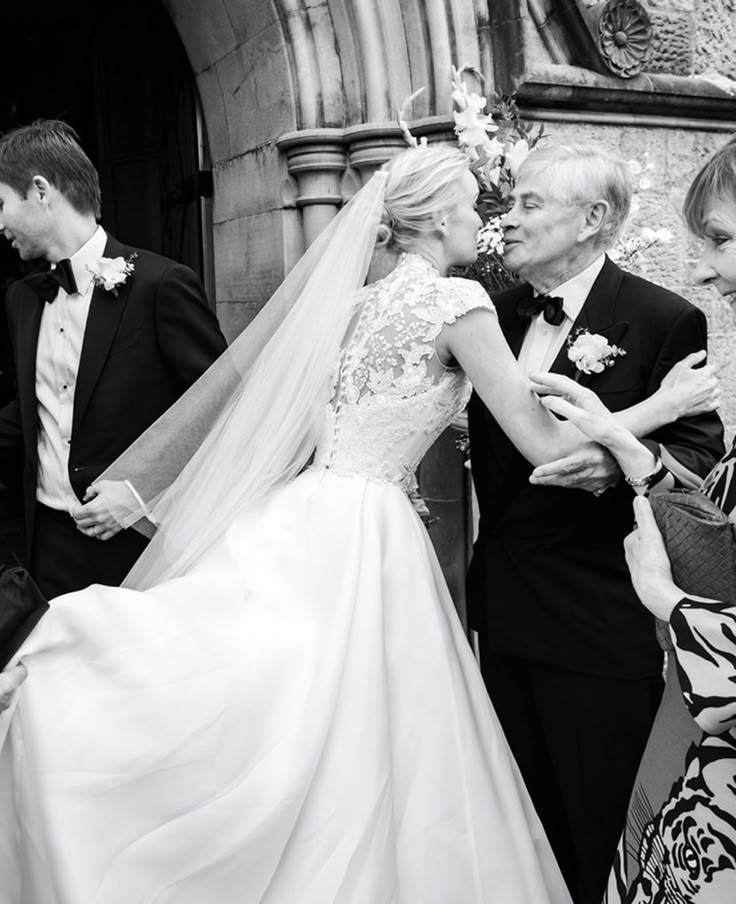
(548, 580)
(141, 350)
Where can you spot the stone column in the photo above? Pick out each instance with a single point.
(371, 145)
(316, 158)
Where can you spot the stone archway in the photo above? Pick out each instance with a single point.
(329, 76)
(299, 99)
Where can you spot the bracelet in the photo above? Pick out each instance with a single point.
(648, 479)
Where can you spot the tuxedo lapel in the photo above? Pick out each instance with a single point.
(105, 312)
(30, 309)
(597, 316)
(513, 326)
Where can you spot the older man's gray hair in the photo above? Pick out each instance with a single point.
(583, 174)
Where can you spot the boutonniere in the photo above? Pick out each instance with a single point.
(591, 353)
(109, 273)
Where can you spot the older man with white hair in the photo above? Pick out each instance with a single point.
(569, 655)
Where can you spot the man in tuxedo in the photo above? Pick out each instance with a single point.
(104, 341)
(568, 654)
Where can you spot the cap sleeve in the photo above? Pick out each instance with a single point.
(460, 296)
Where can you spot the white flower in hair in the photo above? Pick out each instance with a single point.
(404, 125)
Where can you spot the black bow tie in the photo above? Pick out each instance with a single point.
(47, 284)
(550, 305)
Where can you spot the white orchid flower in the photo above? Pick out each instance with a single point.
(516, 155)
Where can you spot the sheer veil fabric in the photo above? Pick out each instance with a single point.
(290, 712)
(250, 423)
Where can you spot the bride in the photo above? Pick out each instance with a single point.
(279, 705)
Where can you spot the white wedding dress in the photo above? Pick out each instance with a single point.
(298, 719)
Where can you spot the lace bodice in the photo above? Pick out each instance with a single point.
(392, 395)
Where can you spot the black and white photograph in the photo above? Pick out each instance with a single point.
(368, 452)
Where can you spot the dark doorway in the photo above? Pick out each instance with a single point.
(123, 81)
(125, 84)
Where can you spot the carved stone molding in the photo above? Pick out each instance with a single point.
(328, 165)
(316, 159)
(624, 36)
(606, 36)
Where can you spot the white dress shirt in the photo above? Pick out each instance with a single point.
(60, 338)
(543, 341)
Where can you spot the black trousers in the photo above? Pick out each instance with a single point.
(578, 740)
(63, 559)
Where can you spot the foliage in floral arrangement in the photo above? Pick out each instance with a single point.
(497, 143)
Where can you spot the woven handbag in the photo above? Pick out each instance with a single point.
(701, 545)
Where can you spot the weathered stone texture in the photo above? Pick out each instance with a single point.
(715, 37)
(672, 45)
(676, 155)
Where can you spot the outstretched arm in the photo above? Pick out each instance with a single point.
(684, 392)
(476, 342)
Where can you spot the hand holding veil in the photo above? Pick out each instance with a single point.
(251, 422)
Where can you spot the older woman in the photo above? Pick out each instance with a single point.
(680, 840)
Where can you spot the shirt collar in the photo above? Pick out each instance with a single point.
(88, 254)
(575, 291)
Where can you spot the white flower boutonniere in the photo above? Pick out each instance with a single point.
(591, 353)
(111, 272)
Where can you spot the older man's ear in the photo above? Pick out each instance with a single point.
(595, 219)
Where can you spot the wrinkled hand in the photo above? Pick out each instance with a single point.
(590, 467)
(649, 564)
(94, 518)
(10, 681)
(692, 390)
(578, 404)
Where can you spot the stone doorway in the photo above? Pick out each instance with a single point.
(125, 84)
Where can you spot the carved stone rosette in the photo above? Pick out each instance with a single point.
(624, 36)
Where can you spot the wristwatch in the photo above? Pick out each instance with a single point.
(647, 480)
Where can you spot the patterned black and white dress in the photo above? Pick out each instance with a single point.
(679, 845)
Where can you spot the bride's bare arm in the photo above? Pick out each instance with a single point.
(684, 392)
(476, 342)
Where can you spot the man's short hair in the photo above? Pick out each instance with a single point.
(50, 148)
(586, 173)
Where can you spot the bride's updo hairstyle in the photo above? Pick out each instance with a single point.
(422, 184)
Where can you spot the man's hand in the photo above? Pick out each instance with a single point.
(590, 467)
(94, 518)
(10, 681)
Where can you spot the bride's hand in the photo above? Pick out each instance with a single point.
(689, 389)
(10, 681)
(581, 406)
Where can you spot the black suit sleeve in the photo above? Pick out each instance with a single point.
(188, 333)
(11, 427)
(695, 443)
(11, 440)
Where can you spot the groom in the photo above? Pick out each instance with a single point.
(568, 654)
(104, 341)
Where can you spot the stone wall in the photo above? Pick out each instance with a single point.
(673, 156)
(269, 67)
